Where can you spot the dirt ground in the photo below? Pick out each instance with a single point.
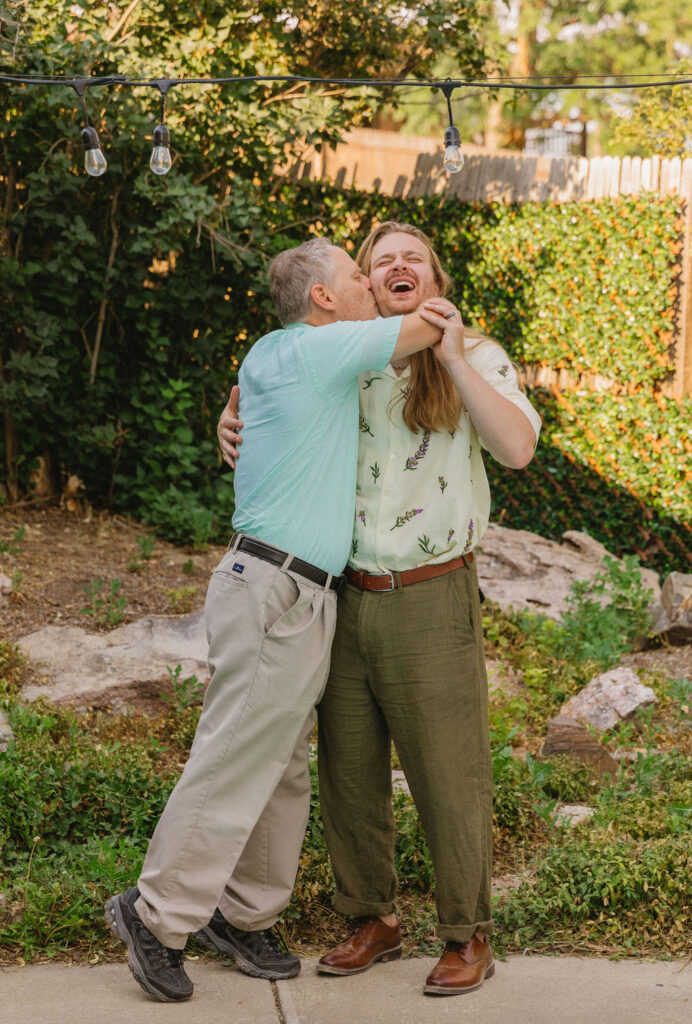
(61, 552)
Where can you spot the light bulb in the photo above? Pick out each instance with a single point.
(453, 159)
(160, 161)
(94, 160)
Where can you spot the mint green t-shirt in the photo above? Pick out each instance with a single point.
(295, 481)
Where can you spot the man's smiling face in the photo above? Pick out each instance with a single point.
(401, 275)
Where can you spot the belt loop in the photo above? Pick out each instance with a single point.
(328, 582)
(397, 576)
(287, 562)
(234, 541)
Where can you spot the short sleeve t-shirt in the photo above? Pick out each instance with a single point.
(295, 482)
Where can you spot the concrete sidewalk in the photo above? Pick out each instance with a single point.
(524, 990)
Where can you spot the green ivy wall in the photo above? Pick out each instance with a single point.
(590, 287)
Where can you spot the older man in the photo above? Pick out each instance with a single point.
(407, 661)
(239, 810)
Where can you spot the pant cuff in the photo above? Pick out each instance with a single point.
(167, 938)
(256, 924)
(464, 932)
(362, 908)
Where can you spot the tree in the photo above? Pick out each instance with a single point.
(659, 122)
(564, 38)
(581, 38)
(127, 301)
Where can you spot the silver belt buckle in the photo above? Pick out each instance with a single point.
(389, 573)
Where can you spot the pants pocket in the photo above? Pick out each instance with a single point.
(287, 603)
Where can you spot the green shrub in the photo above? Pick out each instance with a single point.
(593, 891)
(604, 615)
(12, 664)
(571, 781)
(61, 786)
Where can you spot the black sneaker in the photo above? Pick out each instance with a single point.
(256, 953)
(158, 969)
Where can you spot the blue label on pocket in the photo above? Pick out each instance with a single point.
(238, 567)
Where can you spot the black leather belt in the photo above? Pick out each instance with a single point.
(276, 556)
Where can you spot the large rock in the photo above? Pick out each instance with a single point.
(672, 614)
(82, 663)
(6, 734)
(521, 570)
(566, 735)
(572, 814)
(609, 698)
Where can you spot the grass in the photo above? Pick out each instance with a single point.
(80, 795)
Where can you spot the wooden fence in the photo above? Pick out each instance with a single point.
(411, 166)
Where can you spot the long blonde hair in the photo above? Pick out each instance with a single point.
(431, 401)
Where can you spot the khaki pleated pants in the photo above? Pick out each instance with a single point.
(231, 832)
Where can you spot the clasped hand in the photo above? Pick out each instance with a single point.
(443, 314)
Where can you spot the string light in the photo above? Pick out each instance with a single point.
(94, 161)
(453, 159)
(160, 161)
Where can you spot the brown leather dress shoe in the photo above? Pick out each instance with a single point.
(371, 941)
(462, 967)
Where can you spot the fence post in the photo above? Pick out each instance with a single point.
(682, 379)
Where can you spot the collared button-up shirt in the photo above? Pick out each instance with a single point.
(423, 498)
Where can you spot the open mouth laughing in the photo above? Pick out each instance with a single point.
(401, 285)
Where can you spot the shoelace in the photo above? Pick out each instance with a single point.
(360, 928)
(266, 942)
(160, 956)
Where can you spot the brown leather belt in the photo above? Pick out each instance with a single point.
(392, 580)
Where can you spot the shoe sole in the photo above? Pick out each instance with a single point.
(433, 990)
(207, 938)
(383, 958)
(114, 920)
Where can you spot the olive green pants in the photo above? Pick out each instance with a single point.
(408, 665)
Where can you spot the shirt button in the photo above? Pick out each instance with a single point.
(392, 456)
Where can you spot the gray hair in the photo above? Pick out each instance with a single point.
(292, 275)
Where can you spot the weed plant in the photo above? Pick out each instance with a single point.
(181, 599)
(14, 545)
(105, 611)
(187, 692)
(145, 550)
(12, 666)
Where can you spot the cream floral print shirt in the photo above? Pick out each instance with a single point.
(422, 497)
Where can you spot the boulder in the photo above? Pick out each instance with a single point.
(609, 698)
(6, 734)
(565, 735)
(399, 781)
(5, 588)
(572, 814)
(518, 569)
(503, 677)
(672, 614)
(85, 664)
